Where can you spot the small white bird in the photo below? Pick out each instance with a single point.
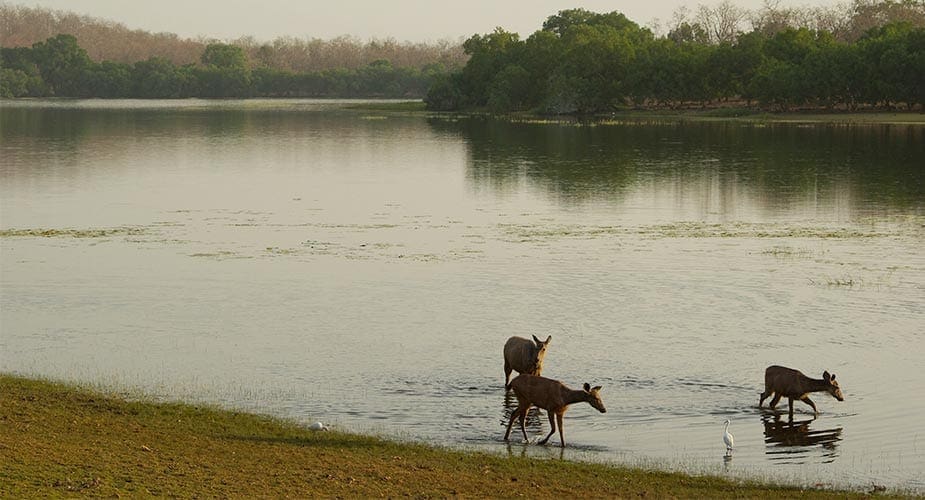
(318, 426)
(728, 439)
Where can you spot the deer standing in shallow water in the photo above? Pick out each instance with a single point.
(524, 355)
(552, 396)
(792, 384)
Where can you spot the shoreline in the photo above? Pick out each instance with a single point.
(624, 116)
(61, 439)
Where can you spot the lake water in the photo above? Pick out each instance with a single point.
(365, 268)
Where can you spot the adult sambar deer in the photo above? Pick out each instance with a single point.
(792, 384)
(524, 355)
(552, 396)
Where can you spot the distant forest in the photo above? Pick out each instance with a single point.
(867, 53)
(859, 55)
(54, 53)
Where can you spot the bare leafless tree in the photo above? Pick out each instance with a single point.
(723, 23)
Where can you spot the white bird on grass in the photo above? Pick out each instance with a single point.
(318, 426)
(728, 439)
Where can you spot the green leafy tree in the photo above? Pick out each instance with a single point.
(222, 55)
(13, 83)
(224, 72)
(444, 93)
(596, 62)
(748, 55)
(893, 54)
(222, 82)
(564, 20)
(834, 74)
(61, 63)
(510, 89)
(20, 75)
(159, 78)
(791, 45)
(271, 82)
(774, 84)
(108, 80)
(488, 54)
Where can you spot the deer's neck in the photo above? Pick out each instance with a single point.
(572, 396)
(816, 384)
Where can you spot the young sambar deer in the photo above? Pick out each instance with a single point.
(792, 384)
(552, 396)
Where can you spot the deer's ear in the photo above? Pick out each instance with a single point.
(548, 339)
(826, 376)
(587, 387)
(537, 340)
(596, 389)
(833, 377)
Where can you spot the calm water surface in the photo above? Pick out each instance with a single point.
(364, 269)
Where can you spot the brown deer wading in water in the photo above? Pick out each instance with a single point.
(792, 384)
(524, 355)
(552, 396)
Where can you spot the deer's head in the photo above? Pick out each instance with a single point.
(539, 351)
(833, 387)
(594, 397)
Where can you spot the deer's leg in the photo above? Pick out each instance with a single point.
(523, 418)
(561, 429)
(774, 401)
(552, 426)
(511, 422)
(808, 401)
(791, 407)
(764, 395)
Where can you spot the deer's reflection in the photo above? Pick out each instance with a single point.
(793, 439)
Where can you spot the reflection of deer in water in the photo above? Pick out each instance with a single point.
(798, 433)
(792, 384)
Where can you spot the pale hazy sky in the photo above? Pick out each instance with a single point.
(405, 20)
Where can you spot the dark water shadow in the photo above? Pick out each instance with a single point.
(796, 442)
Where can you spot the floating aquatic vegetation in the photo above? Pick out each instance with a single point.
(220, 255)
(72, 233)
(842, 281)
(282, 251)
(780, 251)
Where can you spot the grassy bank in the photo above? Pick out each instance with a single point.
(60, 440)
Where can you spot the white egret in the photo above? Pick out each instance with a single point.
(318, 426)
(728, 439)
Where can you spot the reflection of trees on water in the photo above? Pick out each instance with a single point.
(796, 441)
(116, 132)
(774, 162)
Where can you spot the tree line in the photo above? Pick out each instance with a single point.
(106, 40)
(585, 62)
(60, 67)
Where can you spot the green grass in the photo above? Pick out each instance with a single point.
(61, 440)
